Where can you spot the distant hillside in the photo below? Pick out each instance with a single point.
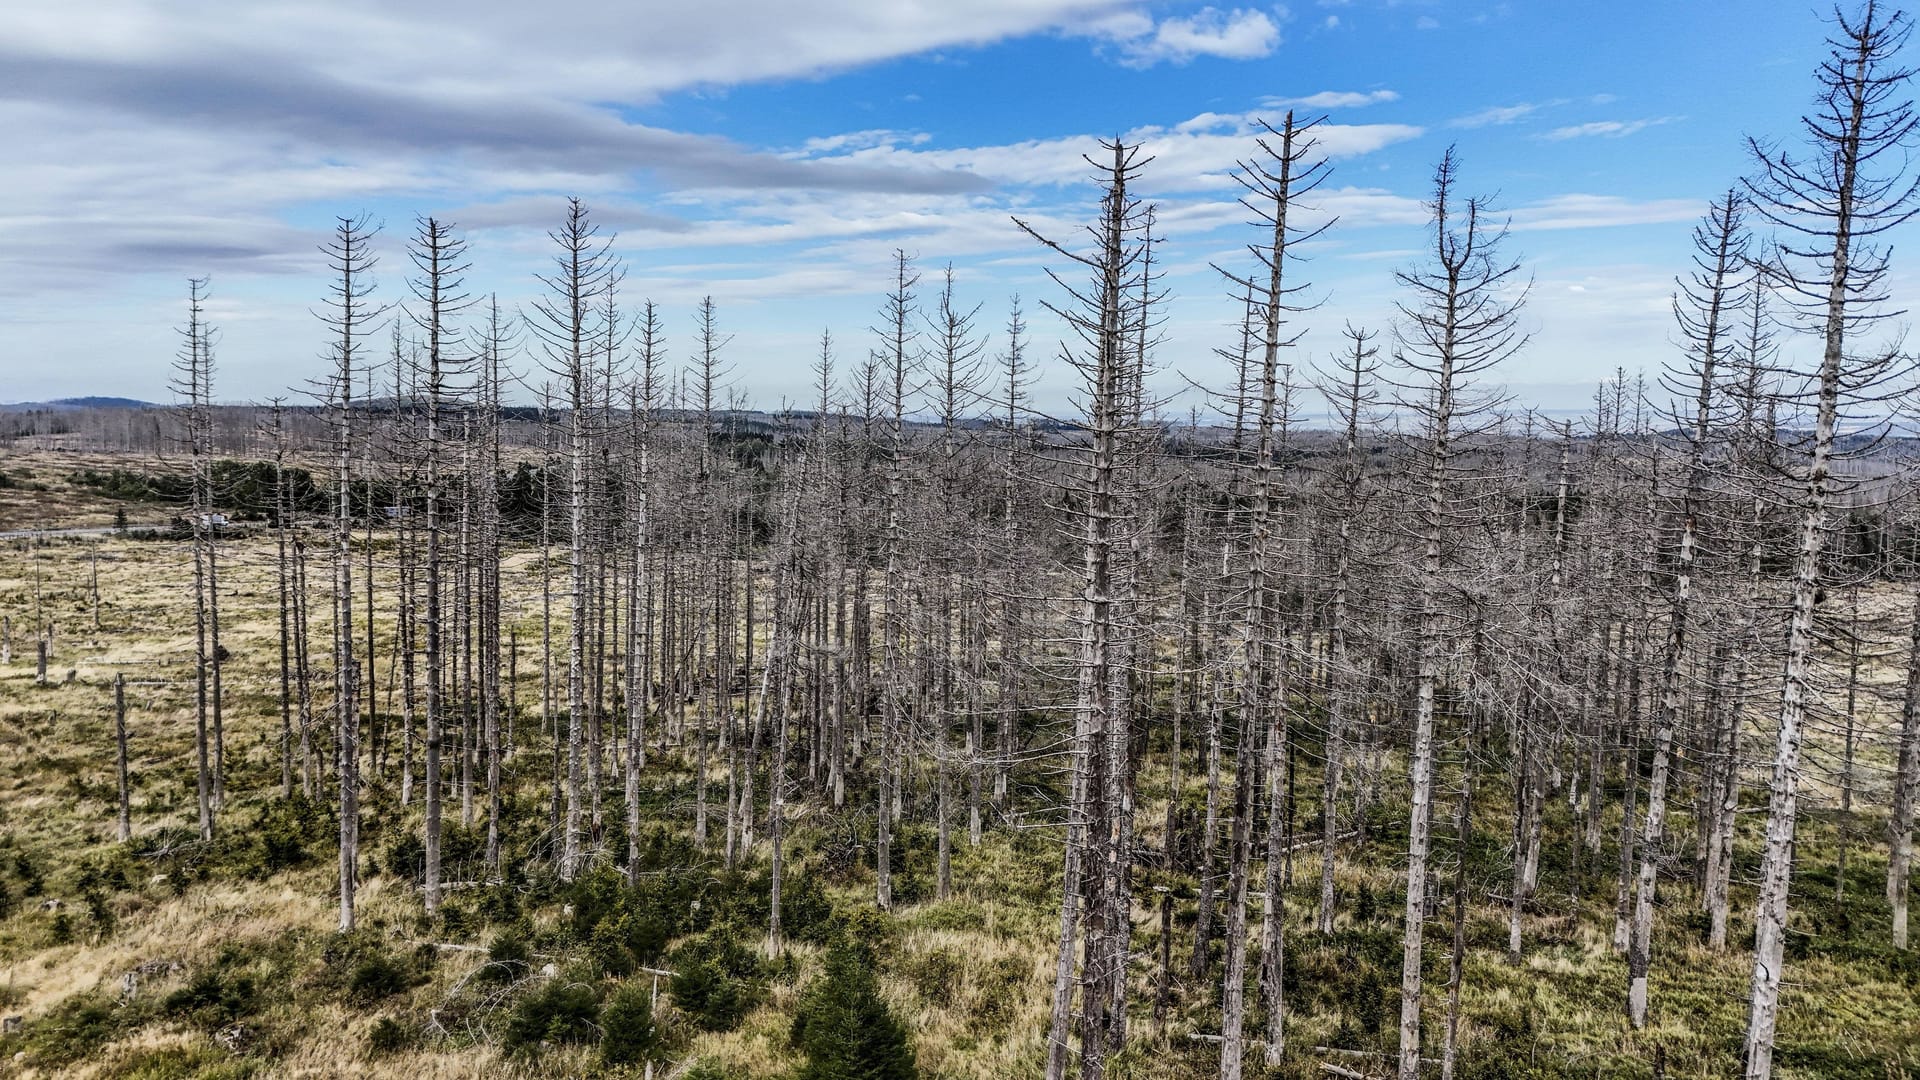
(77, 403)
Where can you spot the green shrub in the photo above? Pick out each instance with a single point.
(1370, 1003)
(214, 999)
(608, 947)
(79, 1026)
(389, 1036)
(806, 913)
(714, 999)
(32, 881)
(282, 835)
(498, 904)
(598, 895)
(377, 978)
(559, 1012)
(843, 1027)
(630, 1036)
(508, 957)
(645, 935)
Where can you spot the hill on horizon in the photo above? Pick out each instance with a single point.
(95, 402)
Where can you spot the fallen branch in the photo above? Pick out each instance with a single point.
(1366, 1053)
(453, 947)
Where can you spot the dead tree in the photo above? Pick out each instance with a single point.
(709, 375)
(496, 341)
(642, 398)
(349, 315)
(1006, 704)
(438, 258)
(282, 526)
(1851, 189)
(193, 374)
(1349, 391)
(952, 386)
(899, 348)
(1098, 315)
(1900, 827)
(1287, 169)
(1459, 322)
(1701, 307)
(565, 321)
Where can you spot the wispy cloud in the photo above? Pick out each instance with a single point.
(1498, 114)
(321, 110)
(1601, 211)
(859, 140)
(1194, 155)
(1611, 129)
(1333, 99)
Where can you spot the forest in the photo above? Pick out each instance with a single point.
(526, 698)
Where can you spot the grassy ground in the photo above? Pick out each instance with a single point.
(240, 973)
(45, 489)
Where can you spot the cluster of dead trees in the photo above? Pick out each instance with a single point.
(1640, 619)
(924, 599)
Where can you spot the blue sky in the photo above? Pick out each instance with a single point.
(773, 154)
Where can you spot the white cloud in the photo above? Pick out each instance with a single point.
(1238, 34)
(1194, 155)
(1601, 211)
(1209, 121)
(1612, 129)
(1333, 99)
(857, 140)
(1426, 22)
(150, 139)
(1498, 114)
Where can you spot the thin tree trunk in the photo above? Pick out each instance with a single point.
(124, 830)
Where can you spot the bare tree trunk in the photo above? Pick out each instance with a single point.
(281, 527)
(217, 654)
(124, 830)
(1202, 955)
(1234, 987)
(1457, 955)
(1900, 827)
(1273, 916)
